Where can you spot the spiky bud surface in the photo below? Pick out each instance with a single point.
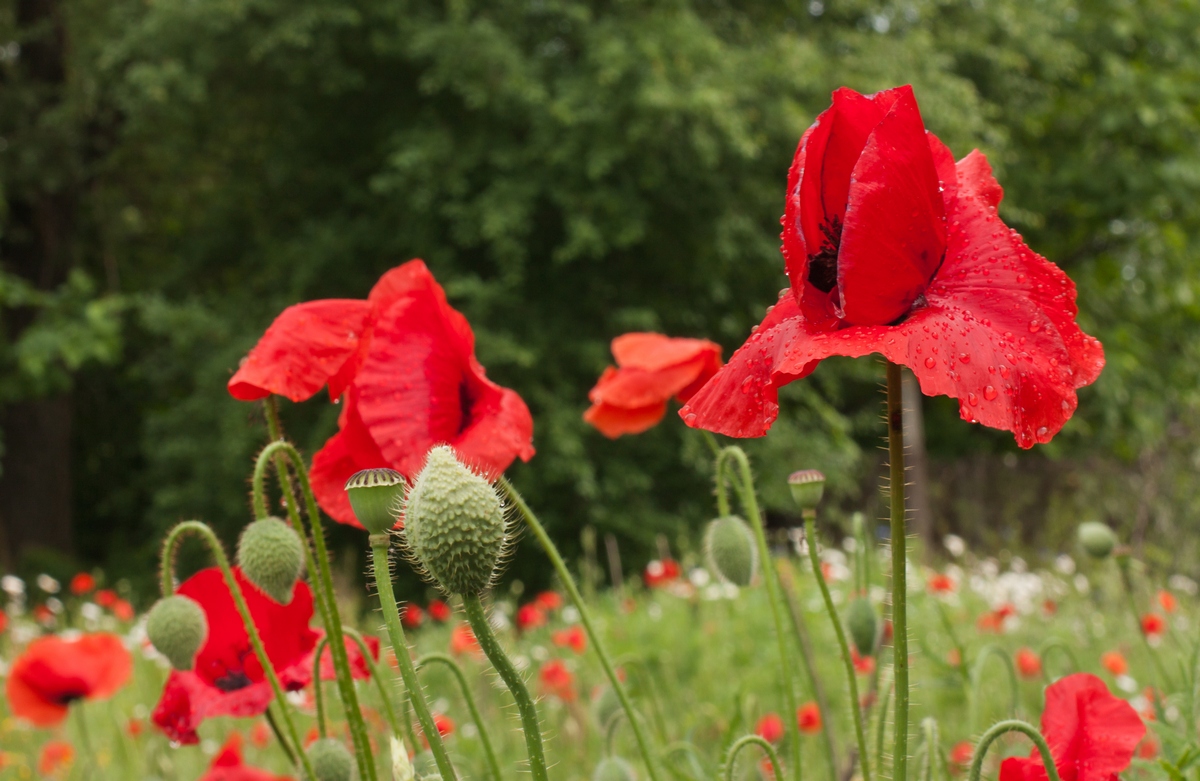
(863, 624)
(730, 551)
(271, 555)
(454, 524)
(177, 628)
(377, 497)
(808, 486)
(1097, 539)
(330, 760)
(614, 769)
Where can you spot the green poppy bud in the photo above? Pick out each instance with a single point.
(808, 486)
(863, 624)
(330, 760)
(177, 628)
(614, 769)
(376, 496)
(605, 705)
(730, 551)
(271, 555)
(454, 525)
(1097, 539)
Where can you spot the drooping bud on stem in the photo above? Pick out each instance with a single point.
(331, 761)
(271, 554)
(377, 497)
(1097, 539)
(808, 486)
(177, 628)
(863, 624)
(730, 551)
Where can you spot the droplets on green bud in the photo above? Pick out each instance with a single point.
(808, 486)
(614, 769)
(863, 624)
(271, 555)
(177, 628)
(330, 760)
(730, 550)
(376, 496)
(1097, 539)
(454, 525)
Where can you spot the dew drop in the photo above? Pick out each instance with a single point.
(1034, 326)
(930, 362)
(1041, 432)
(972, 399)
(989, 392)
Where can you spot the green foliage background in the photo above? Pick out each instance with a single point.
(572, 170)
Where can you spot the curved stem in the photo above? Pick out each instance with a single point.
(1012, 725)
(1123, 564)
(932, 750)
(274, 725)
(750, 740)
(585, 618)
(382, 571)
(610, 731)
(646, 679)
(721, 488)
(477, 618)
(1055, 644)
(977, 679)
(318, 697)
(899, 542)
(465, 688)
(810, 536)
(239, 600)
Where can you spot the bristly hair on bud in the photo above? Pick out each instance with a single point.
(377, 498)
(456, 532)
(730, 551)
(808, 486)
(271, 554)
(177, 628)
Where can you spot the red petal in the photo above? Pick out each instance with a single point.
(654, 352)
(305, 346)
(613, 421)
(1092, 734)
(1023, 769)
(358, 663)
(350, 450)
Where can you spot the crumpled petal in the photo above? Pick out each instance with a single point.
(348, 451)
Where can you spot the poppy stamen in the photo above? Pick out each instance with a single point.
(822, 265)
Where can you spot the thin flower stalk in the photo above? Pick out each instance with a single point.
(469, 698)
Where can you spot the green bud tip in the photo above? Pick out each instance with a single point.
(177, 627)
(1097, 539)
(454, 525)
(808, 486)
(730, 551)
(614, 769)
(330, 760)
(376, 495)
(271, 555)
(863, 624)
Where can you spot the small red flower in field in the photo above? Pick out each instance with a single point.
(1029, 664)
(260, 735)
(359, 669)
(548, 600)
(51, 673)
(463, 641)
(43, 615)
(311, 737)
(891, 247)
(134, 728)
(530, 616)
(1167, 601)
(653, 368)
(953, 657)
(557, 680)
(939, 583)
(3, 621)
(888, 630)
(661, 573)
(1153, 625)
(863, 665)
(1114, 662)
(227, 679)
(989, 622)
(444, 725)
(1091, 733)
(404, 360)
(439, 611)
(227, 765)
(412, 616)
(1049, 607)
(106, 597)
(57, 757)
(808, 718)
(962, 753)
(1148, 748)
(770, 728)
(1005, 611)
(573, 637)
(82, 583)
(123, 611)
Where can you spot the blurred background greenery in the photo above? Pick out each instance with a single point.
(174, 173)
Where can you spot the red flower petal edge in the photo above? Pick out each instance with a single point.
(51, 673)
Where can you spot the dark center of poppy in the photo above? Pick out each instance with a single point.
(232, 680)
(466, 400)
(68, 696)
(822, 265)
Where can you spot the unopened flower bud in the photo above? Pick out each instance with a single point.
(1097, 539)
(605, 704)
(271, 554)
(863, 624)
(454, 524)
(330, 760)
(177, 628)
(614, 769)
(377, 496)
(808, 486)
(730, 551)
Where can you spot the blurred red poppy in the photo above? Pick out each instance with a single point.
(573, 637)
(940, 584)
(106, 597)
(530, 616)
(548, 600)
(358, 663)
(770, 728)
(893, 248)
(444, 724)
(863, 665)
(439, 611)
(1114, 662)
(1167, 601)
(82, 583)
(1148, 748)
(808, 718)
(227, 679)
(51, 673)
(1153, 625)
(1029, 664)
(260, 735)
(1091, 733)
(123, 611)
(651, 368)
(962, 753)
(557, 680)
(56, 756)
(404, 361)
(412, 615)
(660, 573)
(463, 641)
(227, 765)
(3, 621)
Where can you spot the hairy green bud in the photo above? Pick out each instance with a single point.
(271, 555)
(1097, 539)
(863, 624)
(177, 628)
(808, 486)
(330, 760)
(614, 769)
(454, 524)
(730, 551)
(376, 496)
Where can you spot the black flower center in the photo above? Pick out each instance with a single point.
(68, 696)
(466, 400)
(232, 680)
(822, 265)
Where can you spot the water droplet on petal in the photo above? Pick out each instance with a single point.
(930, 362)
(989, 392)
(972, 399)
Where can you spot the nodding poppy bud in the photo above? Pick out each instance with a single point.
(730, 551)
(271, 555)
(330, 760)
(605, 704)
(454, 524)
(1097, 539)
(808, 486)
(376, 496)
(613, 769)
(177, 627)
(863, 625)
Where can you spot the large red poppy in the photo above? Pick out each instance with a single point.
(51, 673)
(891, 247)
(227, 765)
(227, 679)
(1091, 734)
(651, 368)
(403, 363)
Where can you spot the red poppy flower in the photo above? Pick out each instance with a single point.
(1153, 625)
(1029, 665)
(106, 597)
(439, 611)
(893, 248)
(940, 584)
(770, 728)
(43, 615)
(56, 756)
(227, 679)
(51, 673)
(863, 665)
(1091, 734)
(82, 583)
(444, 725)
(962, 753)
(574, 638)
(1167, 601)
(1148, 748)
(463, 641)
(548, 600)
(1049, 607)
(405, 362)
(953, 657)
(134, 728)
(227, 765)
(808, 718)
(123, 611)
(1114, 662)
(652, 369)
(3, 621)
(530, 616)
(412, 616)
(557, 680)
(660, 573)
(260, 735)
(358, 664)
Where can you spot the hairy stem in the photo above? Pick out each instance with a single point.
(899, 541)
(743, 742)
(1012, 725)
(465, 688)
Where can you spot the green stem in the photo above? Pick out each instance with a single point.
(1127, 582)
(1012, 725)
(885, 695)
(274, 725)
(465, 688)
(382, 571)
(1054, 644)
(373, 670)
(948, 625)
(318, 696)
(977, 680)
(810, 536)
(585, 618)
(932, 751)
(610, 731)
(899, 542)
(218, 553)
(750, 740)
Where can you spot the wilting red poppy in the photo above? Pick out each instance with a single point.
(227, 679)
(227, 765)
(651, 368)
(770, 728)
(940, 584)
(863, 665)
(557, 680)
(51, 673)
(808, 718)
(354, 655)
(463, 641)
(1167, 601)
(1114, 662)
(548, 600)
(893, 248)
(1029, 664)
(660, 573)
(530, 616)
(439, 611)
(573, 637)
(962, 753)
(82, 583)
(56, 756)
(412, 615)
(1153, 625)
(1091, 733)
(404, 361)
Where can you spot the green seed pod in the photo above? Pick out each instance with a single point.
(808, 486)
(454, 524)
(271, 555)
(605, 705)
(863, 625)
(376, 495)
(330, 760)
(1097, 539)
(614, 769)
(177, 627)
(730, 551)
